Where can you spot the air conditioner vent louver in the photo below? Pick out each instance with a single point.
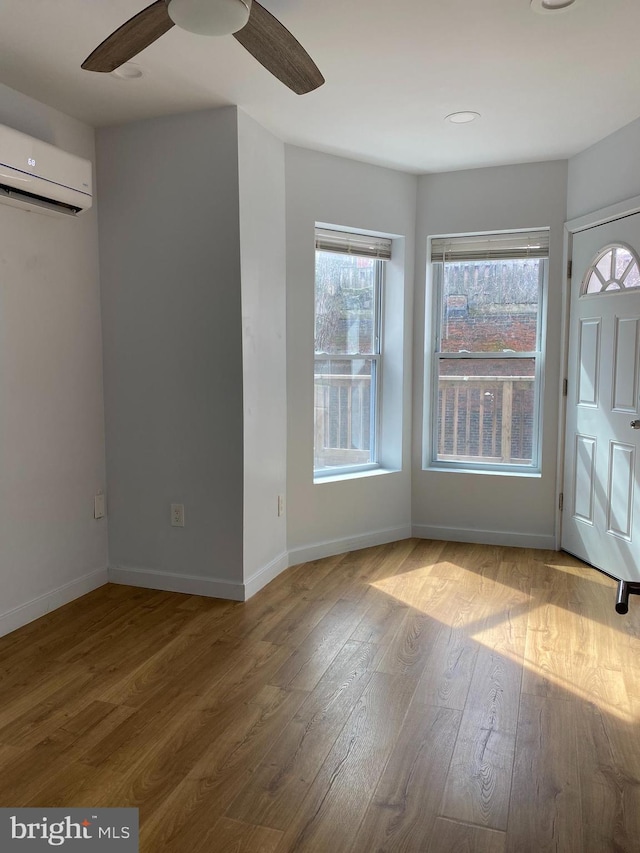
(11, 194)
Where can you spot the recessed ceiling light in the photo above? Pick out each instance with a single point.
(128, 71)
(544, 6)
(462, 117)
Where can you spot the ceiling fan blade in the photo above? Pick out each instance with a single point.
(273, 46)
(129, 39)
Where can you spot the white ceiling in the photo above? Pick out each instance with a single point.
(547, 86)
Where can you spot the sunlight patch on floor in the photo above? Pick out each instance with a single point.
(500, 618)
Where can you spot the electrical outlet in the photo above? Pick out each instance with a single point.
(99, 508)
(177, 515)
(280, 505)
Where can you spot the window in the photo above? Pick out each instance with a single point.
(349, 276)
(614, 268)
(488, 353)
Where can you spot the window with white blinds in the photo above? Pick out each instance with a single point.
(349, 275)
(348, 243)
(517, 245)
(487, 358)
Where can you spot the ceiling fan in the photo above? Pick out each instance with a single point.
(251, 24)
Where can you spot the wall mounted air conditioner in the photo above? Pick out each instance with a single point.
(41, 177)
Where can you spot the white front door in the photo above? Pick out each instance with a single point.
(601, 520)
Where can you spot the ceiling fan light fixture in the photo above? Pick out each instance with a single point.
(210, 17)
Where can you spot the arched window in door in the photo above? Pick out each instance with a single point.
(614, 268)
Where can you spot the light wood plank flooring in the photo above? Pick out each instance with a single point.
(422, 697)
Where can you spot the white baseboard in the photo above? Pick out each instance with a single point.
(15, 618)
(172, 582)
(265, 575)
(352, 543)
(37, 607)
(485, 537)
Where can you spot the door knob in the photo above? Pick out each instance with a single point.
(635, 424)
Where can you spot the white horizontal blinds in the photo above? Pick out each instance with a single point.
(491, 247)
(360, 245)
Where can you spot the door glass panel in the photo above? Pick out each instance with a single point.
(632, 278)
(623, 259)
(604, 266)
(615, 268)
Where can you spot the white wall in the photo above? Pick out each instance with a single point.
(331, 517)
(606, 173)
(170, 267)
(263, 266)
(51, 402)
(191, 206)
(484, 507)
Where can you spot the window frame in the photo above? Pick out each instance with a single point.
(376, 358)
(435, 356)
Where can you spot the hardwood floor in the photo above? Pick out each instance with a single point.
(422, 697)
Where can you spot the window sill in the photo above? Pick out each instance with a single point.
(353, 475)
(527, 475)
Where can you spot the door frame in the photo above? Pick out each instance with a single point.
(572, 227)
